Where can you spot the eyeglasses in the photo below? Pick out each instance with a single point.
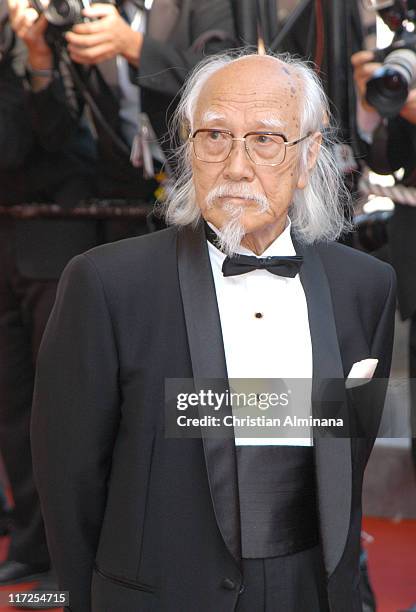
(263, 148)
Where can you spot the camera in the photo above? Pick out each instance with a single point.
(389, 87)
(61, 14)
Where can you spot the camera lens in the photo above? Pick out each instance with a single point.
(392, 81)
(63, 13)
(62, 7)
(387, 91)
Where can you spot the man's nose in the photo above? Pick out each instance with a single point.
(238, 165)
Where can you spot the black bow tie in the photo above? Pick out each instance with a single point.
(241, 264)
(279, 265)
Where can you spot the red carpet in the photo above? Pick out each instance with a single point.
(392, 562)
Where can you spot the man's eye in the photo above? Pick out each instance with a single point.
(215, 135)
(262, 139)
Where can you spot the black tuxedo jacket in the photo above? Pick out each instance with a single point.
(139, 522)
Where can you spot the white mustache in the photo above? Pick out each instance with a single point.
(238, 190)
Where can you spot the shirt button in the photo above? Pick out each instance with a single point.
(242, 589)
(258, 315)
(228, 584)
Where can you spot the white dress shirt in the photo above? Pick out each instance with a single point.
(265, 326)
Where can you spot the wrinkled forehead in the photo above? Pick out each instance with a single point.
(256, 89)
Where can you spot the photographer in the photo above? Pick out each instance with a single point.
(128, 64)
(32, 255)
(386, 119)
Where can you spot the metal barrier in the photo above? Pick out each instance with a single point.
(94, 209)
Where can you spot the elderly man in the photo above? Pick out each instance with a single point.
(246, 284)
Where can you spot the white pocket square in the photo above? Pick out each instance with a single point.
(361, 372)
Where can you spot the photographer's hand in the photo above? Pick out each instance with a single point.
(364, 69)
(31, 28)
(108, 36)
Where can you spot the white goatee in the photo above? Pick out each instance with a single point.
(232, 232)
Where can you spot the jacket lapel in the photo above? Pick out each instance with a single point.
(332, 455)
(208, 362)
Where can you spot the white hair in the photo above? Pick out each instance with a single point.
(318, 211)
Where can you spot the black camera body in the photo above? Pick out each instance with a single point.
(389, 87)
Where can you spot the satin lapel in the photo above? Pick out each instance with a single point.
(162, 19)
(208, 362)
(332, 455)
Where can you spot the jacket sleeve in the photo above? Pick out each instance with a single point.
(74, 423)
(393, 147)
(373, 394)
(56, 110)
(382, 342)
(163, 66)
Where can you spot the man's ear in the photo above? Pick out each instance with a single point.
(314, 142)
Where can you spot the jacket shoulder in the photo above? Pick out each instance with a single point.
(359, 282)
(355, 266)
(133, 255)
(127, 267)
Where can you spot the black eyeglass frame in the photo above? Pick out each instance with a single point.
(286, 143)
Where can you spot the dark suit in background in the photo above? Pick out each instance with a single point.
(153, 523)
